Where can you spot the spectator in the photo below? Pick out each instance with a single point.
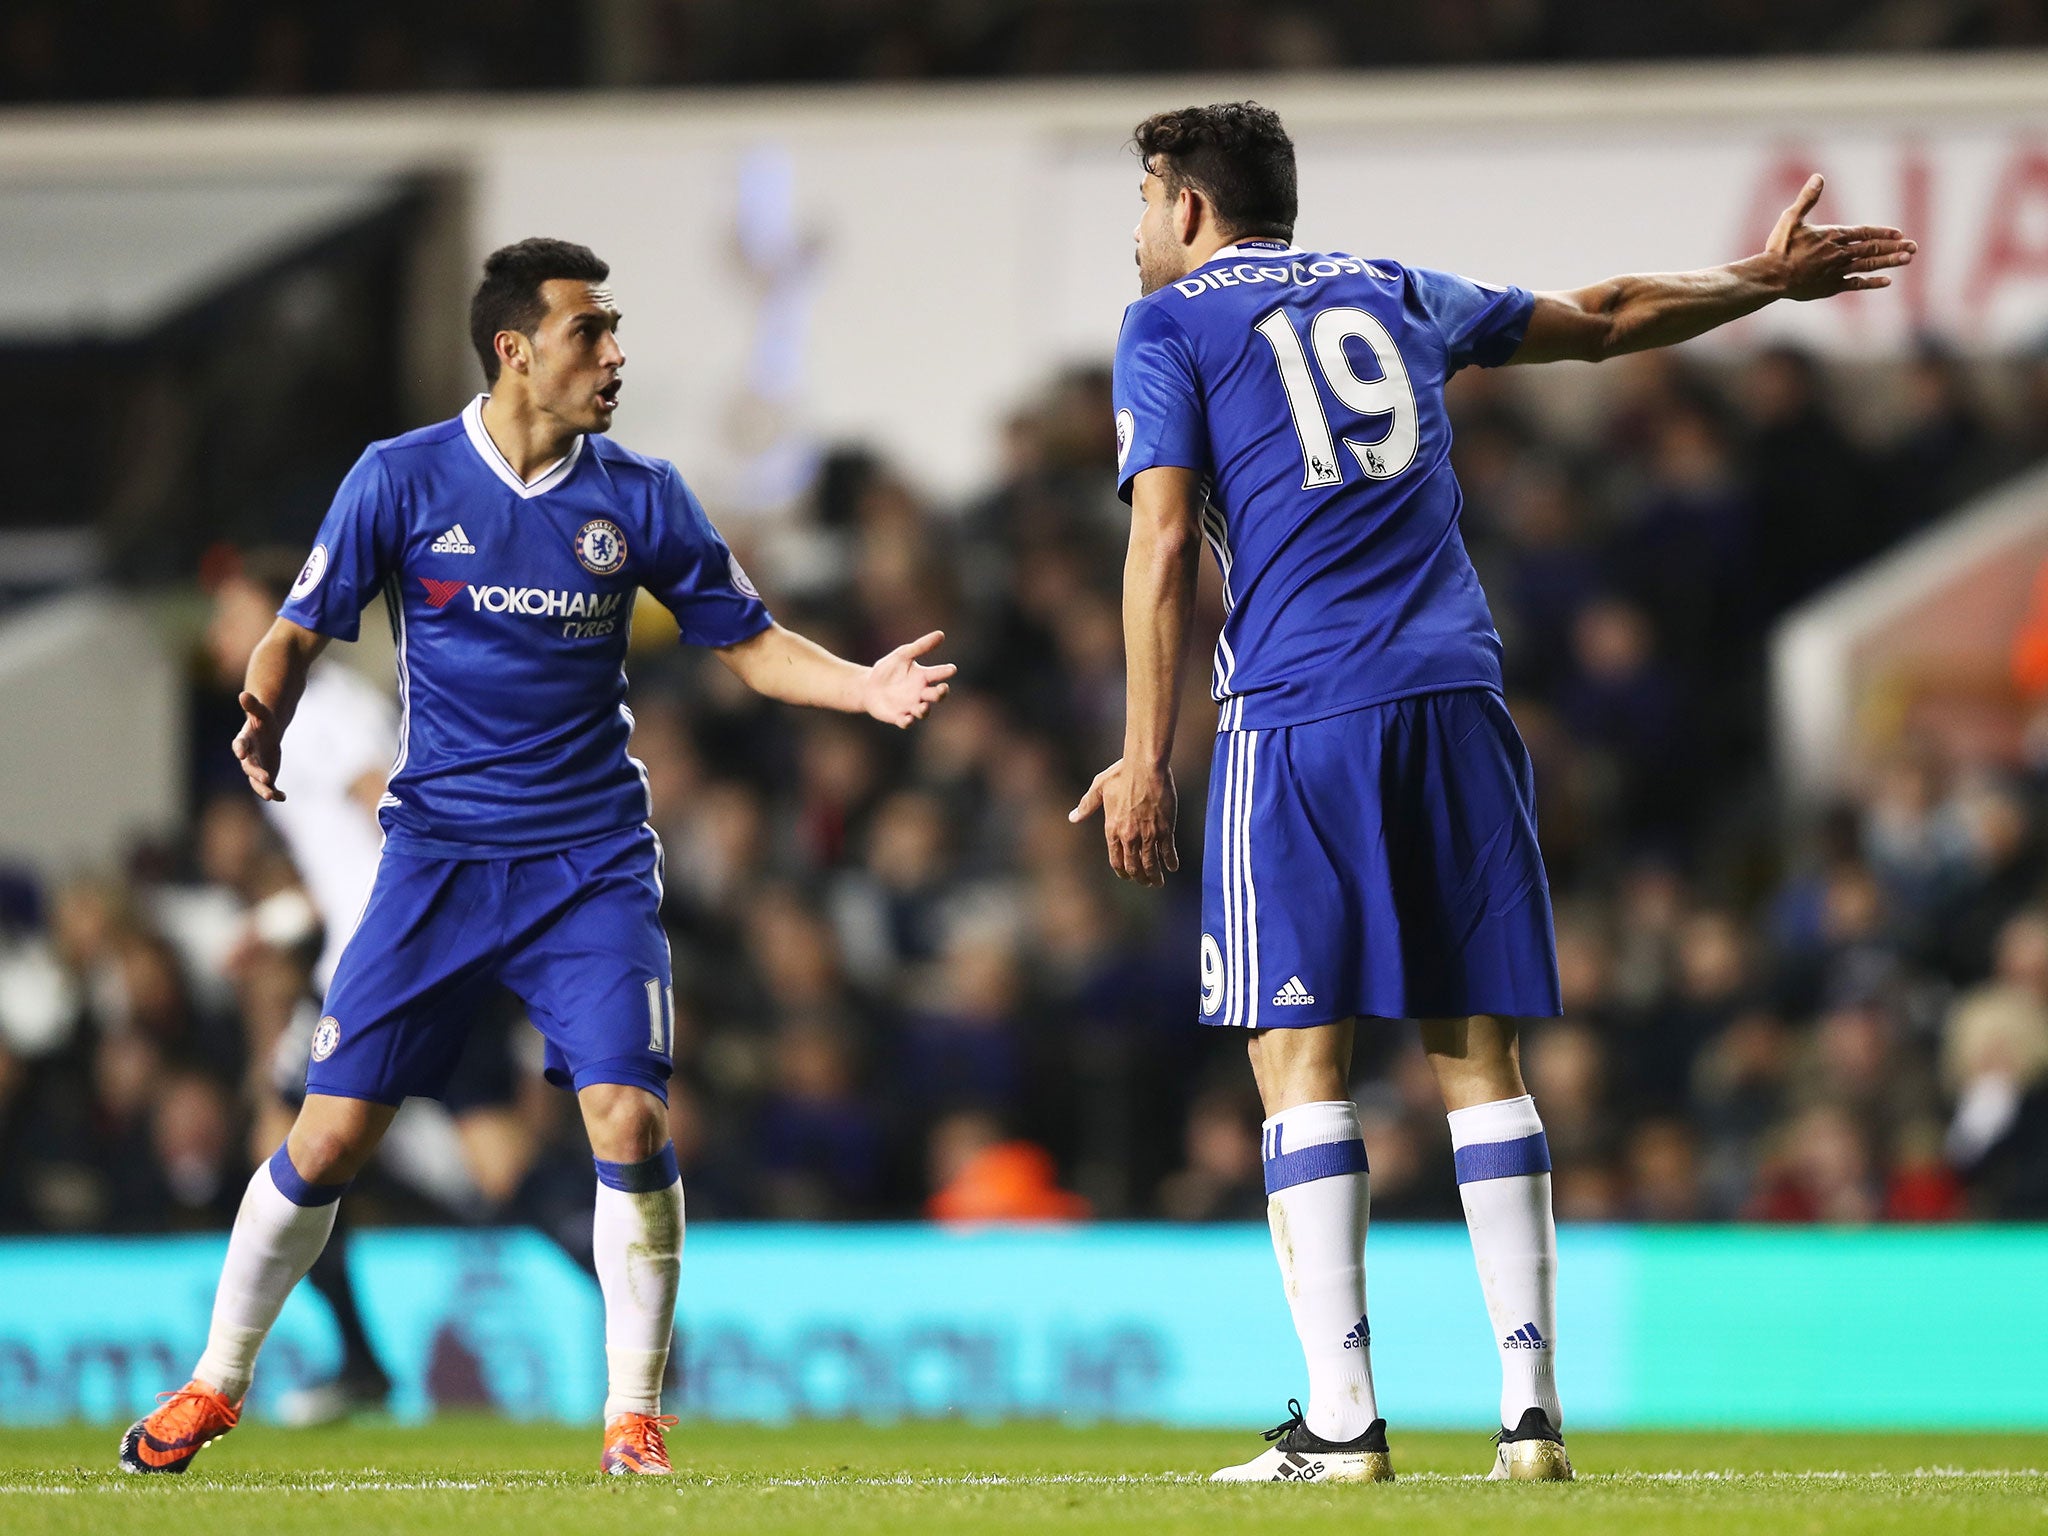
(1663, 1172)
(1821, 1169)
(1740, 1088)
(1710, 987)
(1814, 486)
(819, 1141)
(1619, 700)
(1994, 1061)
(1547, 574)
(1221, 1178)
(890, 911)
(1941, 455)
(963, 1043)
(977, 1175)
(1567, 1069)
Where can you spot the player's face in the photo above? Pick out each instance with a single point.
(575, 357)
(1162, 258)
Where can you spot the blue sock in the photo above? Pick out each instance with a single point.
(641, 1178)
(297, 1189)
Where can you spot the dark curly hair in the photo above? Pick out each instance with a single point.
(1236, 154)
(508, 299)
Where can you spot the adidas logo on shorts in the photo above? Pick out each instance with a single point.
(1294, 994)
(453, 542)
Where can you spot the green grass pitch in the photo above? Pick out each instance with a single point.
(478, 1477)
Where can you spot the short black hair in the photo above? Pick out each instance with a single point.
(508, 299)
(1236, 154)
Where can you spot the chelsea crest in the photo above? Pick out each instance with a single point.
(600, 547)
(326, 1036)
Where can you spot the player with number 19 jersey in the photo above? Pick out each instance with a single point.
(1371, 843)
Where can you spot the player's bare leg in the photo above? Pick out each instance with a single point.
(1317, 1203)
(1301, 1066)
(283, 1223)
(1504, 1181)
(637, 1243)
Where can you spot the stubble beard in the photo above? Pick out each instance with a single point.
(1155, 271)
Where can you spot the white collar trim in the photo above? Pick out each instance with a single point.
(1241, 252)
(487, 450)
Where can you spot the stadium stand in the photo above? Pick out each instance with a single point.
(900, 972)
(149, 49)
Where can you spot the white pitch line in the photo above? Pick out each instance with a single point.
(1002, 1480)
(985, 1480)
(429, 1485)
(686, 1484)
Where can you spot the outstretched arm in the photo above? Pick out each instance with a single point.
(270, 696)
(1136, 793)
(1633, 314)
(896, 690)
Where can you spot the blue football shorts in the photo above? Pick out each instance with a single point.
(575, 935)
(1381, 863)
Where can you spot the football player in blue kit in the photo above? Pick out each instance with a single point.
(508, 544)
(1371, 842)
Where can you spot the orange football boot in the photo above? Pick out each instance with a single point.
(633, 1446)
(185, 1423)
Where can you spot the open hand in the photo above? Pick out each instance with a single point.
(899, 690)
(1822, 260)
(259, 746)
(1138, 813)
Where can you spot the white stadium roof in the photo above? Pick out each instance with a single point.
(104, 261)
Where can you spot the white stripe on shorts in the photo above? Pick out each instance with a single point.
(1228, 830)
(1240, 895)
(1251, 889)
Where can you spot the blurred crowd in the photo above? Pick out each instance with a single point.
(906, 986)
(101, 50)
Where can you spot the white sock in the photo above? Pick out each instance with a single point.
(637, 1240)
(1504, 1179)
(1317, 1200)
(279, 1231)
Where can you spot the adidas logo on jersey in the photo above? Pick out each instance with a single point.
(454, 542)
(1293, 995)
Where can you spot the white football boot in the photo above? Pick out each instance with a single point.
(1531, 1452)
(1297, 1455)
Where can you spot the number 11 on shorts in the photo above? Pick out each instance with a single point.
(661, 1018)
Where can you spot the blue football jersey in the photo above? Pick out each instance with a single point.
(1307, 388)
(510, 605)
